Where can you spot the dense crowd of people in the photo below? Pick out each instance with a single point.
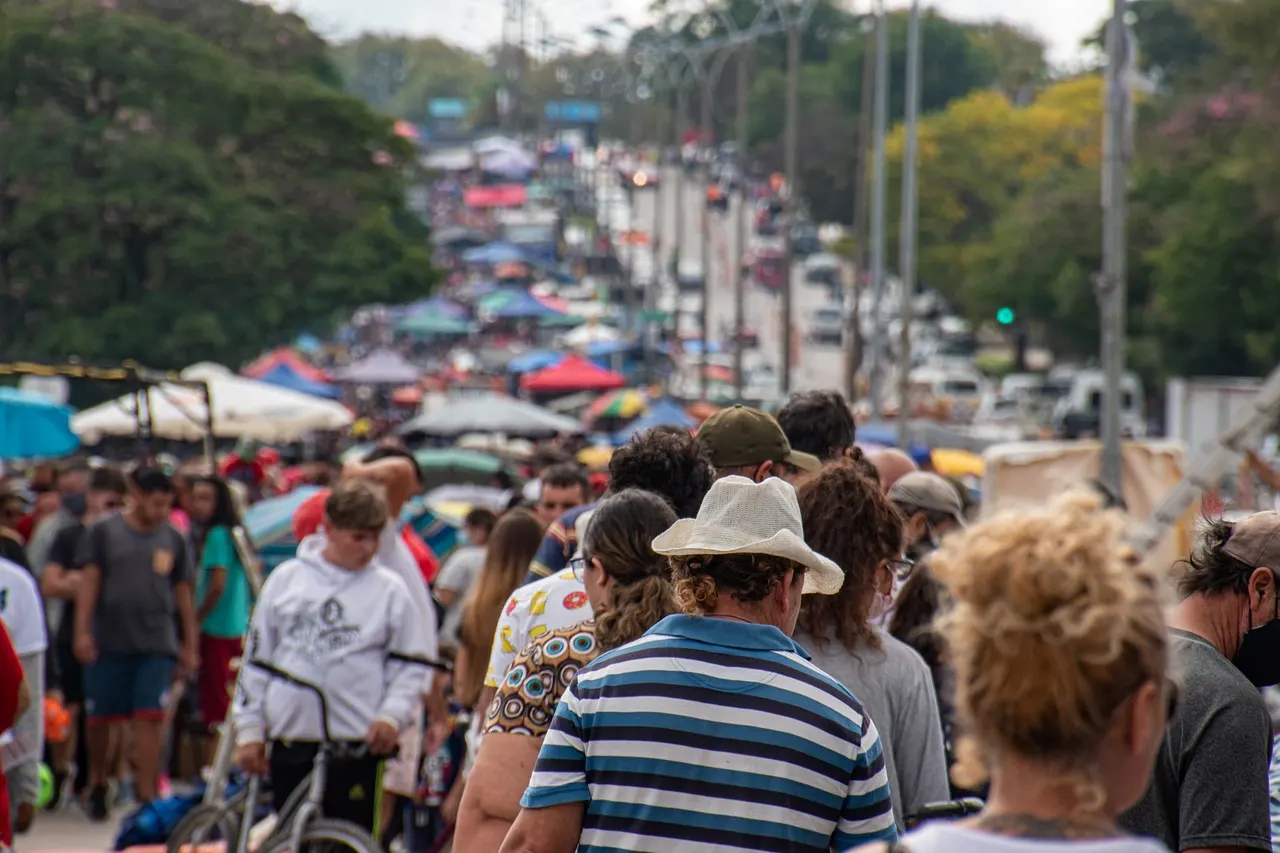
(757, 638)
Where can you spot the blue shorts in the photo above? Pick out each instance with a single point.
(124, 687)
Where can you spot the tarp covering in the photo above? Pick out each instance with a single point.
(34, 427)
(286, 377)
(663, 412)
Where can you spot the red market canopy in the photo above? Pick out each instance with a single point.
(574, 373)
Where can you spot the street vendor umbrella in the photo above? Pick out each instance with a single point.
(532, 362)
(288, 357)
(494, 253)
(662, 413)
(34, 427)
(428, 324)
(574, 373)
(286, 377)
(458, 237)
(451, 466)
(515, 305)
(490, 414)
(623, 405)
(380, 367)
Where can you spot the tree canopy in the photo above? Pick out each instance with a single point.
(172, 189)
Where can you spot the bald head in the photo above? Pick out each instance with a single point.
(891, 464)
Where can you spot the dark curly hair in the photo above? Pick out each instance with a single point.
(668, 462)
(818, 422)
(698, 581)
(847, 518)
(620, 536)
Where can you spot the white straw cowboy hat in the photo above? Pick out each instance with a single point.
(741, 517)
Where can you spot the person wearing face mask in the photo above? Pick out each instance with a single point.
(931, 507)
(1209, 791)
(849, 519)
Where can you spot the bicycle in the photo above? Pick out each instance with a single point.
(300, 820)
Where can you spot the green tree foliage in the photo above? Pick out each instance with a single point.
(166, 198)
(400, 76)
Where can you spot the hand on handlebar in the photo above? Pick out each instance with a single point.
(381, 737)
(252, 758)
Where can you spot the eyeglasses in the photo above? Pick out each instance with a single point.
(579, 567)
(901, 567)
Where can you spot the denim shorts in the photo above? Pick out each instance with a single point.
(127, 686)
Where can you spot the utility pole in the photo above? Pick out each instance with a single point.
(853, 330)
(655, 247)
(793, 188)
(878, 189)
(704, 309)
(907, 232)
(739, 285)
(1111, 286)
(678, 244)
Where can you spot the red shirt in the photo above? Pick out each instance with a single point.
(10, 679)
(308, 516)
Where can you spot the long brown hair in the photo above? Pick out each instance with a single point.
(847, 518)
(620, 536)
(510, 550)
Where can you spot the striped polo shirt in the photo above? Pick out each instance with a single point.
(714, 735)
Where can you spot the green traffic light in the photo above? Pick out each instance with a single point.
(1004, 316)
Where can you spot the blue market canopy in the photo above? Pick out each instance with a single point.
(284, 376)
(34, 427)
(495, 253)
(534, 361)
(662, 413)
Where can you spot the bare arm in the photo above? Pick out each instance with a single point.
(57, 582)
(555, 829)
(184, 598)
(1217, 850)
(446, 597)
(87, 598)
(491, 802)
(24, 698)
(212, 592)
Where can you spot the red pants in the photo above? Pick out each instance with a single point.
(217, 683)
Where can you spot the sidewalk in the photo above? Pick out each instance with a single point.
(69, 831)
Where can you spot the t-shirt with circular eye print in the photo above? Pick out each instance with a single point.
(526, 700)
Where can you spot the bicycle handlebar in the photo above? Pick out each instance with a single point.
(276, 672)
(947, 810)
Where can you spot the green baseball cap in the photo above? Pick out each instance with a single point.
(741, 435)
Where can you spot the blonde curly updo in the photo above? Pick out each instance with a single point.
(1054, 623)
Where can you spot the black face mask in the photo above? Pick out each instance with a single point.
(1258, 657)
(75, 505)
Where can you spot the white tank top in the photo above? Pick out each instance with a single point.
(943, 837)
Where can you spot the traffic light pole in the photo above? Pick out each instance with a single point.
(907, 233)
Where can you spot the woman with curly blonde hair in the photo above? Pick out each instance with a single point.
(1058, 639)
(626, 584)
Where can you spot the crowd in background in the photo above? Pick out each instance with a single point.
(756, 637)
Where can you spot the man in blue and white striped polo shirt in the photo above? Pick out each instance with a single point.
(713, 731)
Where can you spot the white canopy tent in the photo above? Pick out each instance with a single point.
(590, 333)
(242, 408)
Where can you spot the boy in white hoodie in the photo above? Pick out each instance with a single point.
(333, 617)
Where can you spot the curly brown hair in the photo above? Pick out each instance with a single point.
(847, 518)
(698, 581)
(620, 535)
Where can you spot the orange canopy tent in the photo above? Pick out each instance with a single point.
(289, 358)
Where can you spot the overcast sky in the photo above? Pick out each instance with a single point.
(477, 23)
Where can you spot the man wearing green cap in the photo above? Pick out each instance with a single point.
(751, 444)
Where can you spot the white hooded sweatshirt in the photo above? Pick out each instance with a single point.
(333, 628)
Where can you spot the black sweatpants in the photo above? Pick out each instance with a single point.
(352, 792)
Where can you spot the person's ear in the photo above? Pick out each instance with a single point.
(764, 472)
(603, 577)
(1261, 582)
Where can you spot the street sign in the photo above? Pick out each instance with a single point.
(573, 112)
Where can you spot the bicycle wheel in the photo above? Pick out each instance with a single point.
(324, 835)
(206, 824)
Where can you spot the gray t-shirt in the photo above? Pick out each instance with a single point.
(457, 575)
(136, 608)
(1210, 784)
(894, 685)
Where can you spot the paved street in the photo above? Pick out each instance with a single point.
(815, 367)
(68, 831)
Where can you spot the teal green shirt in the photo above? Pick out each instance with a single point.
(230, 616)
